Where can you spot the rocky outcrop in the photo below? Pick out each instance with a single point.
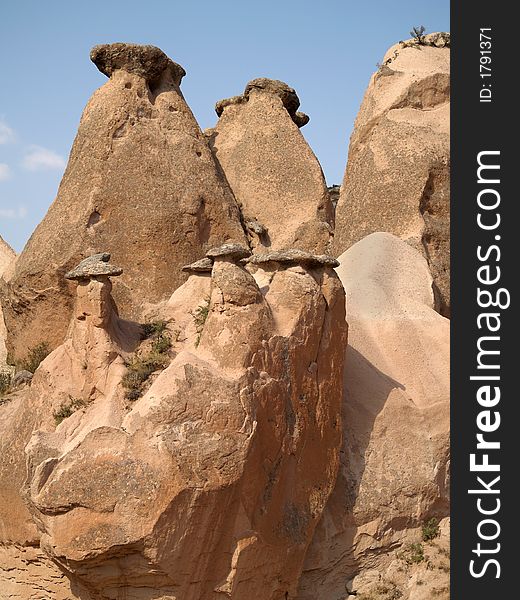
(155, 210)
(271, 169)
(398, 171)
(7, 256)
(210, 484)
(395, 457)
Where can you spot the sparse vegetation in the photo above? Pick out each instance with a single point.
(199, 317)
(5, 383)
(34, 357)
(430, 530)
(412, 554)
(154, 328)
(382, 591)
(418, 34)
(154, 357)
(68, 408)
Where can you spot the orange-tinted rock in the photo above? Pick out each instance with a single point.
(141, 183)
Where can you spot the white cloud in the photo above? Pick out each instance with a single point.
(6, 133)
(42, 159)
(5, 172)
(13, 213)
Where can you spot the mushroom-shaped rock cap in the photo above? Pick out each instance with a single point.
(287, 95)
(236, 251)
(146, 61)
(278, 88)
(94, 266)
(204, 265)
(294, 256)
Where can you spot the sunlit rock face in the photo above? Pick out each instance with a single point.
(141, 183)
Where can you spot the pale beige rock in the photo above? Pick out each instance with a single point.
(211, 484)
(271, 169)
(154, 210)
(7, 258)
(27, 574)
(395, 459)
(398, 169)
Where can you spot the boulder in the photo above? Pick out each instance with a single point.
(271, 169)
(398, 171)
(154, 210)
(394, 473)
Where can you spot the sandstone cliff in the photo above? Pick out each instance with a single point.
(394, 473)
(398, 169)
(141, 182)
(7, 257)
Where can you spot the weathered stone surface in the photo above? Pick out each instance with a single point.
(398, 169)
(272, 171)
(96, 265)
(394, 473)
(7, 258)
(154, 211)
(293, 256)
(204, 265)
(21, 378)
(211, 483)
(232, 251)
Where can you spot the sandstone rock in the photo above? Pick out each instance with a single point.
(394, 471)
(211, 484)
(272, 171)
(398, 169)
(154, 211)
(7, 258)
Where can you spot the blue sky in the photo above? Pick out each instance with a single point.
(325, 49)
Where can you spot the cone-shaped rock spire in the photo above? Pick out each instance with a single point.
(141, 182)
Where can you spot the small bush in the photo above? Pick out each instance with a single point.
(153, 328)
(161, 344)
(34, 357)
(418, 34)
(139, 370)
(430, 530)
(199, 317)
(416, 552)
(67, 409)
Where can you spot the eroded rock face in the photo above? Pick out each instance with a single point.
(211, 484)
(7, 258)
(271, 169)
(154, 210)
(398, 172)
(394, 471)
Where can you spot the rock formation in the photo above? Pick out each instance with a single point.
(201, 430)
(211, 483)
(7, 257)
(271, 169)
(398, 171)
(141, 182)
(395, 458)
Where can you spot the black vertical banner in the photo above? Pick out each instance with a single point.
(485, 240)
